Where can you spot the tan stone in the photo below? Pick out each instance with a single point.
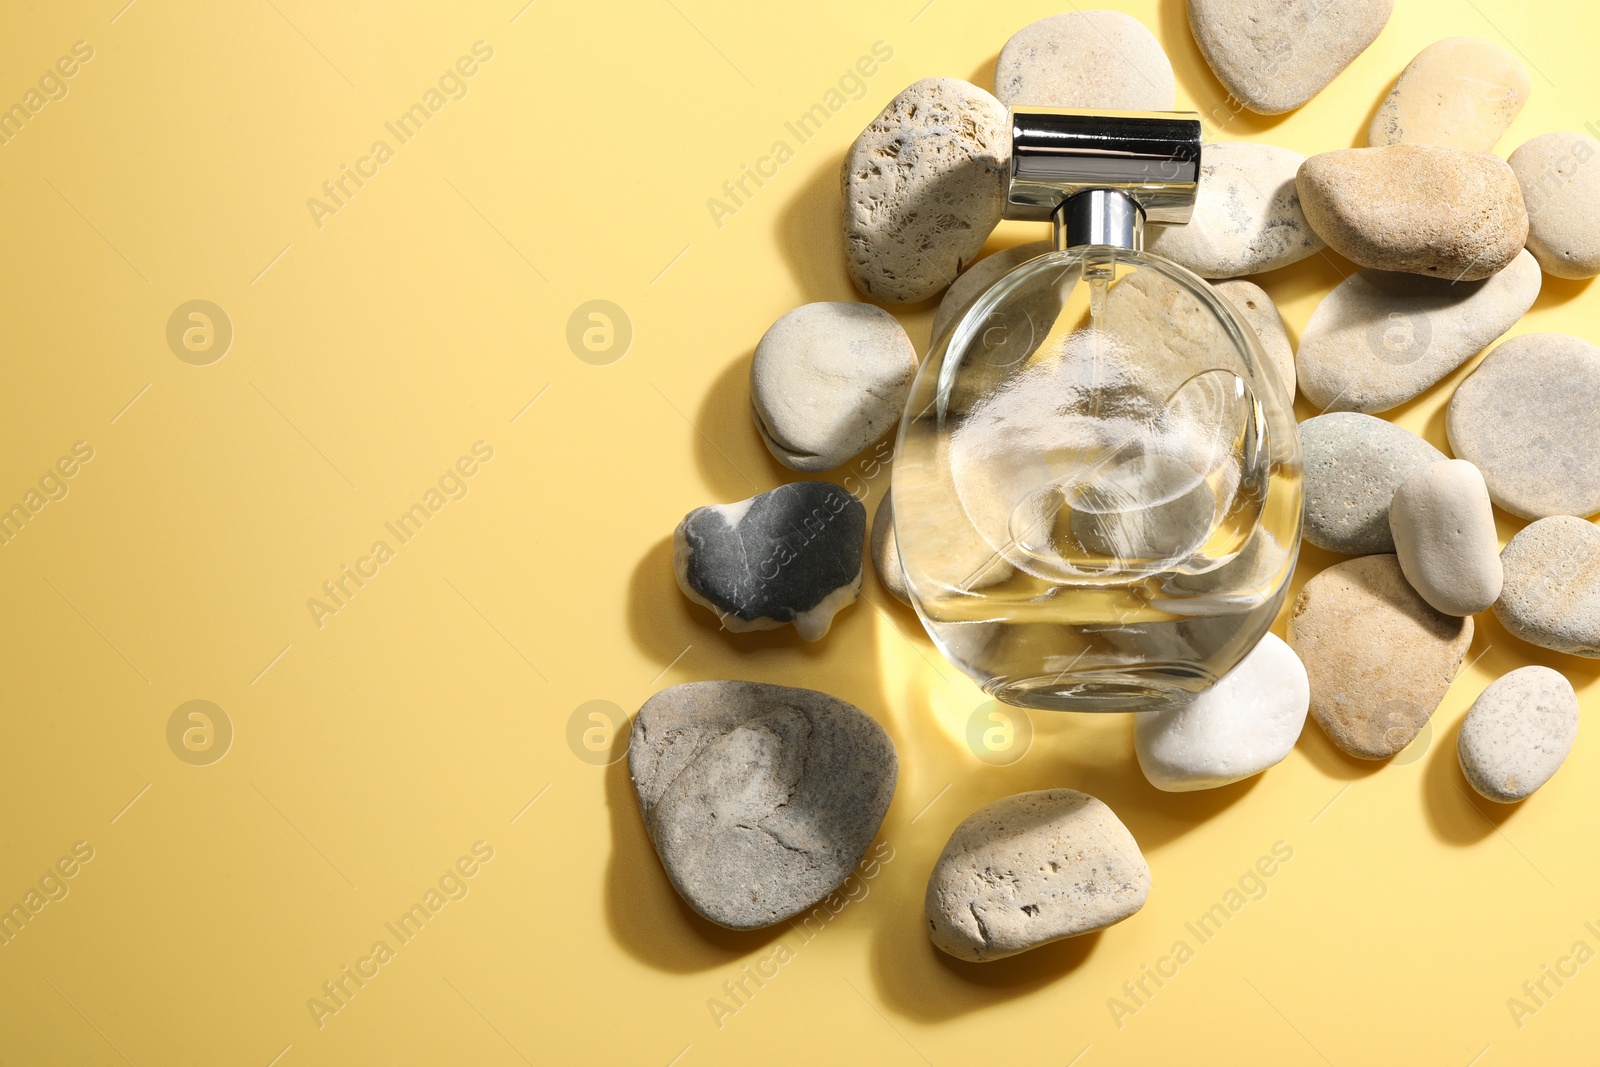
(1461, 92)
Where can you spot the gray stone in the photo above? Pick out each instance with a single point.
(1087, 59)
(1461, 92)
(1247, 216)
(1257, 308)
(1030, 869)
(885, 553)
(1526, 417)
(1562, 192)
(827, 380)
(760, 799)
(976, 280)
(1353, 465)
(1274, 56)
(1445, 538)
(1517, 733)
(1551, 595)
(1416, 208)
(1380, 338)
(923, 185)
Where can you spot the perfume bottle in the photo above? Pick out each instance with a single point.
(1097, 494)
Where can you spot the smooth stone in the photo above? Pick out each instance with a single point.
(1248, 721)
(1526, 417)
(1353, 465)
(1247, 217)
(1030, 869)
(1444, 536)
(1416, 208)
(759, 799)
(791, 555)
(1551, 596)
(1461, 92)
(1381, 337)
(923, 185)
(827, 380)
(1378, 656)
(885, 553)
(1274, 56)
(1563, 199)
(977, 280)
(1086, 59)
(1518, 733)
(1257, 309)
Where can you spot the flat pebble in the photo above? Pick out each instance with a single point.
(1274, 56)
(760, 799)
(1381, 337)
(976, 280)
(923, 186)
(1247, 216)
(1261, 313)
(1562, 193)
(1551, 595)
(791, 555)
(827, 380)
(1526, 417)
(1417, 208)
(1353, 465)
(1379, 657)
(1030, 869)
(1087, 59)
(1445, 538)
(1248, 721)
(1517, 733)
(885, 553)
(1461, 92)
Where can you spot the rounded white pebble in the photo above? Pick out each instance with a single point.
(1517, 733)
(1443, 526)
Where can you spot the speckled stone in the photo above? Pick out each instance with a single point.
(1527, 417)
(1379, 657)
(1561, 187)
(1030, 869)
(1088, 59)
(1380, 337)
(1261, 313)
(1247, 216)
(976, 280)
(1551, 595)
(1416, 208)
(885, 553)
(1517, 733)
(1353, 465)
(1461, 92)
(760, 799)
(1444, 536)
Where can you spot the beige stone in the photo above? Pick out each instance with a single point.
(1551, 596)
(1461, 92)
(1560, 183)
(885, 553)
(1257, 309)
(1088, 59)
(1518, 733)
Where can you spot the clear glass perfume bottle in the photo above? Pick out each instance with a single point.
(1097, 482)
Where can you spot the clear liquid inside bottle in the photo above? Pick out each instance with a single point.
(1097, 485)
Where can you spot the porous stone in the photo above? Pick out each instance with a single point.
(1517, 733)
(1274, 56)
(1248, 721)
(1030, 869)
(1461, 92)
(976, 280)
(1381, 337)
(1247, 216)
(923, 185)
(1416, 208)
(1378, 656)
(1444, 537)
(1353, 465)
(792, 555)
(1551, 595)
(1087, 59)
(1562, 193)
(827, 380)
(1526, 417)
(1257, 308)
(760, 799)
(885, 553)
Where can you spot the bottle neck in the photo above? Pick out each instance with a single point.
(1099, 217)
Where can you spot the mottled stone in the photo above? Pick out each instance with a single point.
(885, 553)
(1353, 465)
(1551, 595)
(1461, 92)
(1257, 308)
(977, 279)
(1518, 733)
(1087, 59)
(760, 799)
(1445, 539)
(1562, 191)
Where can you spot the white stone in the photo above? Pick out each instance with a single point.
(1257, 308)
(1443, 526)
(1086, 59)
(1561, 185)
(1518, 733)
(1461, 92)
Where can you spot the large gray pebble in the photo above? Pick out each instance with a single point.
(1560, 183)
(1444, 535)
(760, 799)
(1086, 59)
(1380, 337)
(1517, 733)
(1353, 465)
(1257, 308)
(1030, 869)
(923, 186)
(1551, 595)
(1527, 417)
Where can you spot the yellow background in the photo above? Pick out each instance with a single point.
(369, 754)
